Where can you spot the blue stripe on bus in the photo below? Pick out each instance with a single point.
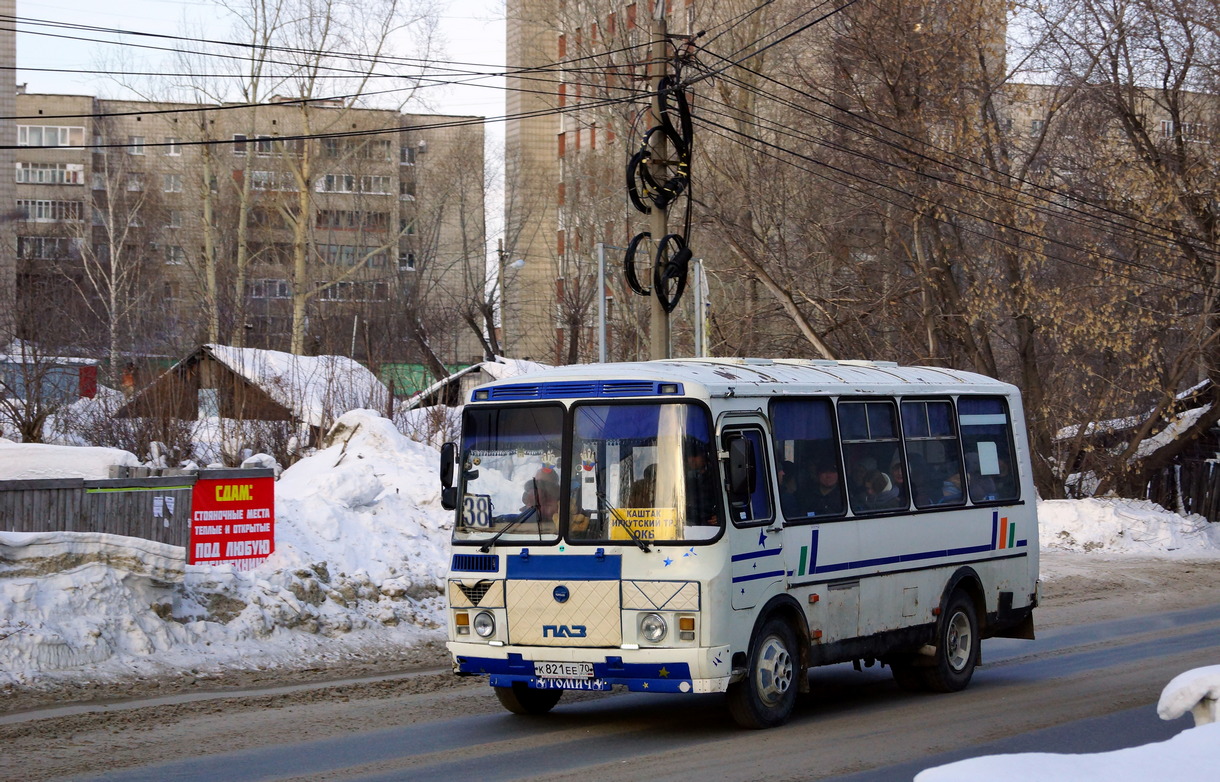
(613, 668)
(953, 552)
(995, 527)
(771, 552)
(756, 576)
(578, 567)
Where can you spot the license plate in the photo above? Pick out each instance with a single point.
(563, 670)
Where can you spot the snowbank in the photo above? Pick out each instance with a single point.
(27, 461)
(1119, 526)
(361, 547)
(1196, 691)
(1189, 756)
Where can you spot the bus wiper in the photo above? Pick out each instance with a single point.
(604, 508)
(486, 547)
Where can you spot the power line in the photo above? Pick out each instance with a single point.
(1076, 215)
(721, 130)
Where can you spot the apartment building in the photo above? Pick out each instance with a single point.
(229, 212)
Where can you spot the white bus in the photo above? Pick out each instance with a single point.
(723, 525)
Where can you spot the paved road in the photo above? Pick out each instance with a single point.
(1081, 689)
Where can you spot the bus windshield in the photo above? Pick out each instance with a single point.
(643, 473)
(510, 473)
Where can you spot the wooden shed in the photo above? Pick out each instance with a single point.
(218, 381)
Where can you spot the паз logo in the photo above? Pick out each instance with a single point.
(563, 631)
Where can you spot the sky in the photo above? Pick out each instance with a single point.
(473, 31)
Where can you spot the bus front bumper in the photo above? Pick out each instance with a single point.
(693, 670)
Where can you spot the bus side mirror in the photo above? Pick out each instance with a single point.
(742, 472)
(448, 492)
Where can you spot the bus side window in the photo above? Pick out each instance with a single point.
(753, 504)
(874, 458)
(934, 459)
(987, 440)
(807, 446)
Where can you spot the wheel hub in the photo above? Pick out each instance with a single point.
(775, 672)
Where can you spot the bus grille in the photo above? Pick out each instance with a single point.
(476, 563)
(589, 617)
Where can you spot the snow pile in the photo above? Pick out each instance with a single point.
(27, 461)
(1196, 691)
(1189, 756)
(361, 551)
(1120, 526)
(369, 502)
(61, 591)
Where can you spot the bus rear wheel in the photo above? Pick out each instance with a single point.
(957, 647)
(520, 698)
(766, 696)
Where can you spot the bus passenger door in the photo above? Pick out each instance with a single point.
(756, 536)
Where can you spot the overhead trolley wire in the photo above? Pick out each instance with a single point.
(741, 138)
(1161, 235)
(1125, 222)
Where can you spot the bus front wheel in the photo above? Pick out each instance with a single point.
(957, 646)
(766, 696)
(520, 698)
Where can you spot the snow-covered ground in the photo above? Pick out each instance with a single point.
(361, 552)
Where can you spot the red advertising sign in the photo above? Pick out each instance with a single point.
(232, 521)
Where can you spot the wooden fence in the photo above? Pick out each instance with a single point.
(156, 508)
(1193, 484)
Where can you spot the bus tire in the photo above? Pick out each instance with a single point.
(957, 646)
(520, 698)
(766, 696)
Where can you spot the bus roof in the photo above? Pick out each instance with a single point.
(740, 377)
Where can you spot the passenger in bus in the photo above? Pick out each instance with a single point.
(879, 491)
(825, 496)
(540, 498)
(787, 487)
(643, 492)
(857, 478)
(701, 486)
(951, 489)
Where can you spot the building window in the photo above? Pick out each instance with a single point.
(173, 147)
(50, 211)
(173, 219)
(239, 144)
(406, 155)
(50, 174)
(262, 145)
(135, 181)
(175, 255)
(135, 145)
(406, 262)
(271, 180)
(406, 190)
(172, 183)
(49, 136)
(269, 289)
(1036, 126)
(44, 248)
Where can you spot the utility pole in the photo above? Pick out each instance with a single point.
(503, 340)
(658, 154)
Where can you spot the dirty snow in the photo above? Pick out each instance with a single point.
(1116, 526)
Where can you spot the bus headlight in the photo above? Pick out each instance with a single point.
(484, 624)
(652, 627)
